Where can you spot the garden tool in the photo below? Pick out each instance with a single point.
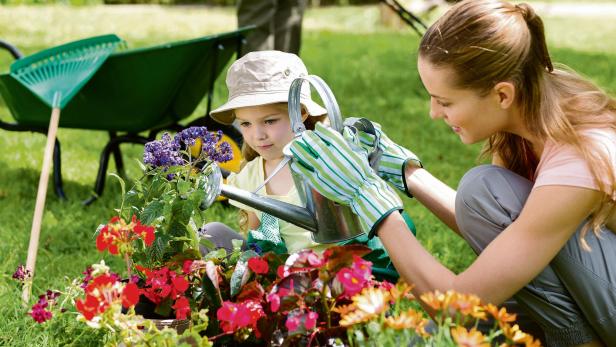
(55, 75)
(329, 221)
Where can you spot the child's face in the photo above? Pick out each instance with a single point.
(266, 129)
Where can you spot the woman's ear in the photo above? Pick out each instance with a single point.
(505, 94)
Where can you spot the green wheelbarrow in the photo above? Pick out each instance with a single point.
(136, 90)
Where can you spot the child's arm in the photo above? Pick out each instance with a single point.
(253, 221)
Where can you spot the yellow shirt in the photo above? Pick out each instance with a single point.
(251, 177)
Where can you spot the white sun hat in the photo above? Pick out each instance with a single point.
(261, 78)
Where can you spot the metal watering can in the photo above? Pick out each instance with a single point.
(328, 221)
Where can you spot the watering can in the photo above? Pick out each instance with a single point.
(328, 221)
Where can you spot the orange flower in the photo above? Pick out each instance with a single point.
(501, 316)
(439, 301)
(517, 336)
(410, 319)
(355, 317)
(468, 305)
(372, 300)
(401, 291)
(469, 338)
(344, 309)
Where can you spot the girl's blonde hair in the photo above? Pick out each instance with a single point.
(248, 154)
(488, 41)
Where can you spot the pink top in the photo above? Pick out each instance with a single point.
(561, 164)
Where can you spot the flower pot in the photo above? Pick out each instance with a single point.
(180, 325)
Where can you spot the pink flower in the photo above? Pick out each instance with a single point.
(362, 268)
(274, 301)
(292, 323)
(258, 265)
(311, 320)
(233, 316)
(351, 281)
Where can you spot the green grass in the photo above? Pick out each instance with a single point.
(371, 69)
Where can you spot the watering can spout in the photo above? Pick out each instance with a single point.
(291, 213)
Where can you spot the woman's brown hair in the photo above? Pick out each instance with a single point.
(485, 42)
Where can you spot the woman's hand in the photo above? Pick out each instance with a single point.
(343, 175)
(394, 158)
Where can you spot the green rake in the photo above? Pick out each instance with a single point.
(55, 75)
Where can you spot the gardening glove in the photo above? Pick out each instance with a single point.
(267, 235)
(331, 166)
(391, 158)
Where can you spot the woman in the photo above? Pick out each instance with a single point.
(541, 217)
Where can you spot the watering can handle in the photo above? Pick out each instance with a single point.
(329, 101)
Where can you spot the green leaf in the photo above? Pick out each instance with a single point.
(239, 277)
(183, 187)
(247, 255)
(152, 211)
(217, 254)
(205, 242)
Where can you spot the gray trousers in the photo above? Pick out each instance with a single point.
(278, 24)
(221, 236)
(573, 299)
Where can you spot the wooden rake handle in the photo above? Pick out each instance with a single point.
(40, 200)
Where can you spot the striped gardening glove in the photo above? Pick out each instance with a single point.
(393, 158)
(331, 166)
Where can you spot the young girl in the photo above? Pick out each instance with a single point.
(541, 218)
(259, 86)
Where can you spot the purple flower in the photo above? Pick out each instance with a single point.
(21, 274)
(162, 153)
(87, 277)
(210, 146)
(39, 312)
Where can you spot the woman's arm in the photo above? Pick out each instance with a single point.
(511, 261)
(435, 195)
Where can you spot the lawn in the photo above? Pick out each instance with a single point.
(371, 70)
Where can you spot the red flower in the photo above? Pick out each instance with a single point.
(362, 268)
(181, 307)
(117, 236)
(258, 265)
(130, 295)
(102, 292)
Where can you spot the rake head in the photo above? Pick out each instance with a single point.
(56, 74)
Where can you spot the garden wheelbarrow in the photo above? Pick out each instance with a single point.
(135, 91)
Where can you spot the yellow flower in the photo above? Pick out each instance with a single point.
(468, 338)
(410, 319)
(355, 317)
(501, 316)
(372, 300)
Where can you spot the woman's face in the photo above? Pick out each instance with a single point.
(472, 116)
(265, 128)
